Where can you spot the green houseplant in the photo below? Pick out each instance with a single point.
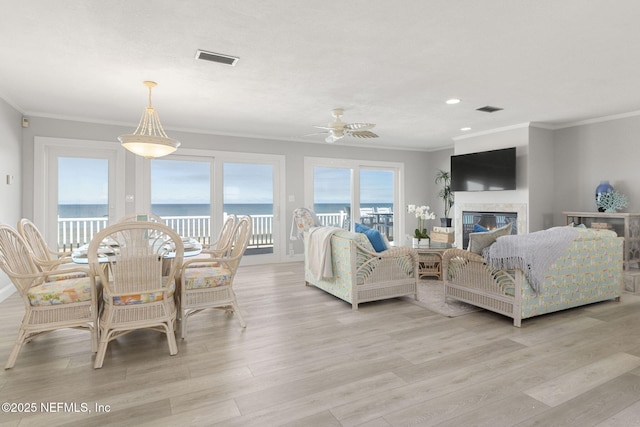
(444, 178)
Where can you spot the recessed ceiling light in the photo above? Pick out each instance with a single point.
(465, 128)
(453, 101)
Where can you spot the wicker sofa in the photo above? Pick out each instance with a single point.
(588, 271)
(361, 274)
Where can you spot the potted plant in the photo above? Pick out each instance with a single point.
(444, 178)
(421, 235)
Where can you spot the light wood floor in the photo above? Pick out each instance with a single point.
(307, 359)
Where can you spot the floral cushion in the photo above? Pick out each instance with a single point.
(62, 275)
(203, 264)
(60, 292)
(205, 277)
(141, 298)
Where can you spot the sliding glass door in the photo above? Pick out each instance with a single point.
(345, 192)
(195, 191)
(78, 189)
(181, 195)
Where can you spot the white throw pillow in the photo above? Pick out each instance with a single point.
(479, 241)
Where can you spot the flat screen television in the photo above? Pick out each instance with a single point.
(484, 171)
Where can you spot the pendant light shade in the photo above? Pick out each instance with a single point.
(149, 139)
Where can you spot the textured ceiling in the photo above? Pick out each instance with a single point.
(390, 63)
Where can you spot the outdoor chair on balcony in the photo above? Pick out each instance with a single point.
(129, 259)
(49, 304)
(58, 263)
(212, 286)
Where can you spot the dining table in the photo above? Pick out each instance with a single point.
(192, 247)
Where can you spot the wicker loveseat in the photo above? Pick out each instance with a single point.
(361, 274)
(588, 271)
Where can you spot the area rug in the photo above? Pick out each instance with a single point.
(431, 297)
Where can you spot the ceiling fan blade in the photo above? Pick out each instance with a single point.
(363, 134)
(323, 127)
(316, 133)
(359, 126)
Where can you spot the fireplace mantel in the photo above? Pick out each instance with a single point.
(519, 208)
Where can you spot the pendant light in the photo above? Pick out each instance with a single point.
(149, 139)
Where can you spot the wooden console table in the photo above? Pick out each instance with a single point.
(625, 225)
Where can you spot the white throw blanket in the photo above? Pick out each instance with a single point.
(319, 251)
(532, 253)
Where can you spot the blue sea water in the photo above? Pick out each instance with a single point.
(97, 211)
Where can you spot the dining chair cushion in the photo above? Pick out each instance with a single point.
(60, 292)
(65, 276)
(206, 277)
(203, 264)
(142, 298)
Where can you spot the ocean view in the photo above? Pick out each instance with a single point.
(98, 211)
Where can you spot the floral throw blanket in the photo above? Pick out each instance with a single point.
(532, 253)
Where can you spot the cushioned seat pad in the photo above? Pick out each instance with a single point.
(205, 277)
(60, 292)
(142, 298)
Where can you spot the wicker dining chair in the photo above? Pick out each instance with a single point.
(220, 247)
(212, 286)
(58, 263)
(49, 304)
(129, 259)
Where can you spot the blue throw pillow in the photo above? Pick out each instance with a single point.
(374, 236)
(477, 228)
(361, 228)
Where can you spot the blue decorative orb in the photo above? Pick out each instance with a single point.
(603, 187)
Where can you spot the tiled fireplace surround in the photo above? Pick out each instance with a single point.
(519, 208)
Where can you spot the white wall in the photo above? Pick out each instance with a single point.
(541, 179)
(10, 194)
(589, 153)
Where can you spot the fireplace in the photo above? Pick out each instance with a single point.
(519, 221)
(488, 220)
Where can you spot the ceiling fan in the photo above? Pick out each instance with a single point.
(339, 129)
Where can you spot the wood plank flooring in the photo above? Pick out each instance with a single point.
(307, 359)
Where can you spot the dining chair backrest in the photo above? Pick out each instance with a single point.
(16, 259)
(224, 240)
(135, 252)
(241, 237)
(43, 255)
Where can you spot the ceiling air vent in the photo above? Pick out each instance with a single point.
(216, 57)
(488, 109)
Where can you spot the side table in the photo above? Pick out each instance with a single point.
(430, 259)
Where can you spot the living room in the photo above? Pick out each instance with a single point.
(306, 357)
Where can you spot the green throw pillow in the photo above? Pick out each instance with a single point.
(479, 241)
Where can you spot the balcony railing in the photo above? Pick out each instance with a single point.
(74, 232)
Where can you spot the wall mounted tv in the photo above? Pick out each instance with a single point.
(484, 171)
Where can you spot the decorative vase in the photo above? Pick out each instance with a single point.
(603, 187)
(420, 243)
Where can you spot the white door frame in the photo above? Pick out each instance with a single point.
(45, 179)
